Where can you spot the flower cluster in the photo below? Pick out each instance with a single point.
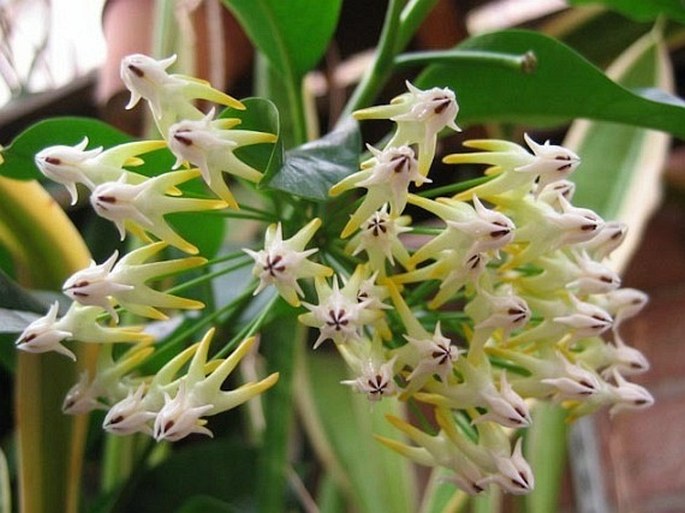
(508, 302)
(168, 405)
(504, 297)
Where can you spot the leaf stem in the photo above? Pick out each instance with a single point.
(522, 62)
(379, 72)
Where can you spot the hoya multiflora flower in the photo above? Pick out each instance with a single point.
(541, 229)
(200, 393)
(386, 177)
(171, 407)
(282, 262)
(426, 354)
(171, 96)
(341, 313)
(79, 323)
(469, 230)
(479, 390)
(110, 383)
(437, 450)
(515, 171)
(375, 379)
(419, 116)
(72, 165)
(379, 238)
(142, 207)
(124, 283)
(210, 145)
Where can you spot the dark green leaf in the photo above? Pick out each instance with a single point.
(14, 297)
(292, 34)
(310, 170)
(206, 504)
(8, 352)
(69, 131)
(642, 10)
(564, 86)
(218, 469)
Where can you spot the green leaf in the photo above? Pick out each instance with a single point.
(15, 297)
(219, 469)
(292, 34)
(206, 504)
(378, 479)
(19, 163)
(545, 448)
(624, 183)
(563, 86)
(642, 10)
(260, 115)
(311, 169)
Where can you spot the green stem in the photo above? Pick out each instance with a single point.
(379, 72)
(248, 330)
(207, 277)
(118, 461)
(281, 339)
(410, 20)
(523, 62)
(454, 188)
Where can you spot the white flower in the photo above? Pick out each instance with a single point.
(210, 145)
(610, 237)
(437, 355)
(587, 320)
(142, 207)
(79, 323)
(378, 237)
(515, 170)
(376, 380)
(171, 97)
(200, 393)
(71, 165)
(46, 334)
(125, 283)
(469, 229)
(109, 383)
(628, 396)
(282, 262)
(514, 474)
(340, 315)
(179, 417)
(130, 415)
(420, 116)
(386, 177)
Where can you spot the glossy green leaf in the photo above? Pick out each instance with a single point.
(292, 34)
(380, 479)
(69, 131)
(642, 10)
(311, 169)
(624, 183)
(563, 86)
